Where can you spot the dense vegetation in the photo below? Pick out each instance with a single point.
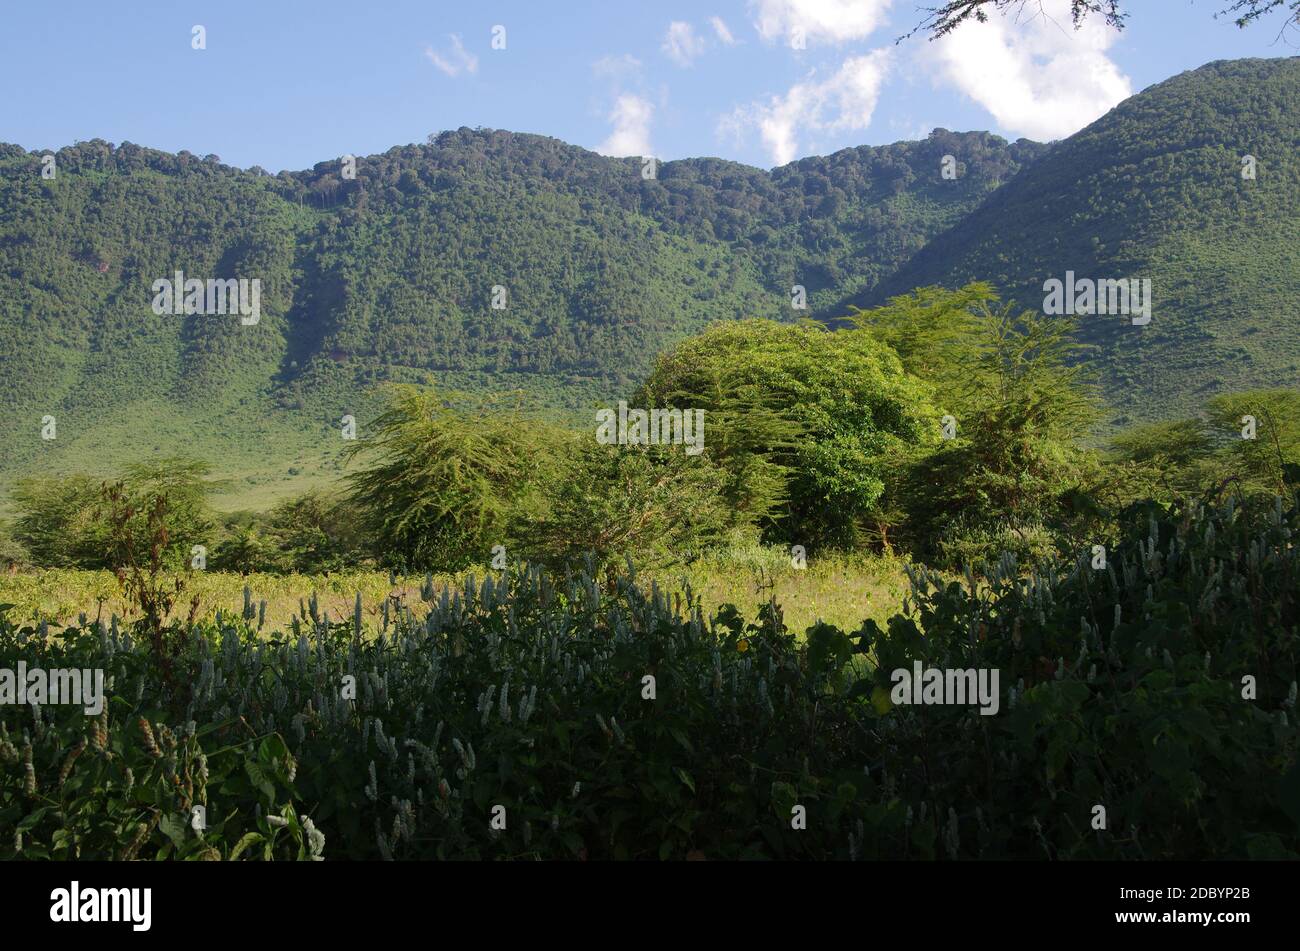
(1137, 596)
(1139, 606)
(944, 426)
(1145, 710)
(1154, 189)
(388, 277)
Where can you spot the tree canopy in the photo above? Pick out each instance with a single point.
(941, 20)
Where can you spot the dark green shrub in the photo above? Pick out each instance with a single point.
(59, 522)
(1120, 687)
(75, 521)
(653, 505)
(442, 486)
(311, 533)
(13, 554)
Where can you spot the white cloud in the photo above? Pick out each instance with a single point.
(681, 44)
(724, 34)
(835, 21)
(843, 102)
(631, 120)
(617, 68)
(1037, 76)
(454, 61)
(626, 105)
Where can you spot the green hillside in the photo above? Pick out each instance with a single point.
(1154, 189)
(389, 276)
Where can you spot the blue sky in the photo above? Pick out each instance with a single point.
(286, 84)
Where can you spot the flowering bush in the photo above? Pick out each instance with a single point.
(1160, 687)
(536, 716)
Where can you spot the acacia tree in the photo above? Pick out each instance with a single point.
(67, 521)
(652, 505)
(806, 422)
(930, 329)
(943, 19)
(1265, 460)
(445, 485)
(1005, 481)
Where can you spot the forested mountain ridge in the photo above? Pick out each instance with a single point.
(1155, 189)
(390, 274)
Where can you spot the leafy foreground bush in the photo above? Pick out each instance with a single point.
(1120, 687)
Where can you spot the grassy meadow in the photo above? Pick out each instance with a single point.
(841, 589)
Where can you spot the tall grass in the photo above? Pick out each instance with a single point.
(841, 589)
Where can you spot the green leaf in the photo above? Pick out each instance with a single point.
(259, 779)
(174, 827)
(784, 796)
(29, 821)
(272, 749)
(249, 838)
(829, 648)
(685, 777)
